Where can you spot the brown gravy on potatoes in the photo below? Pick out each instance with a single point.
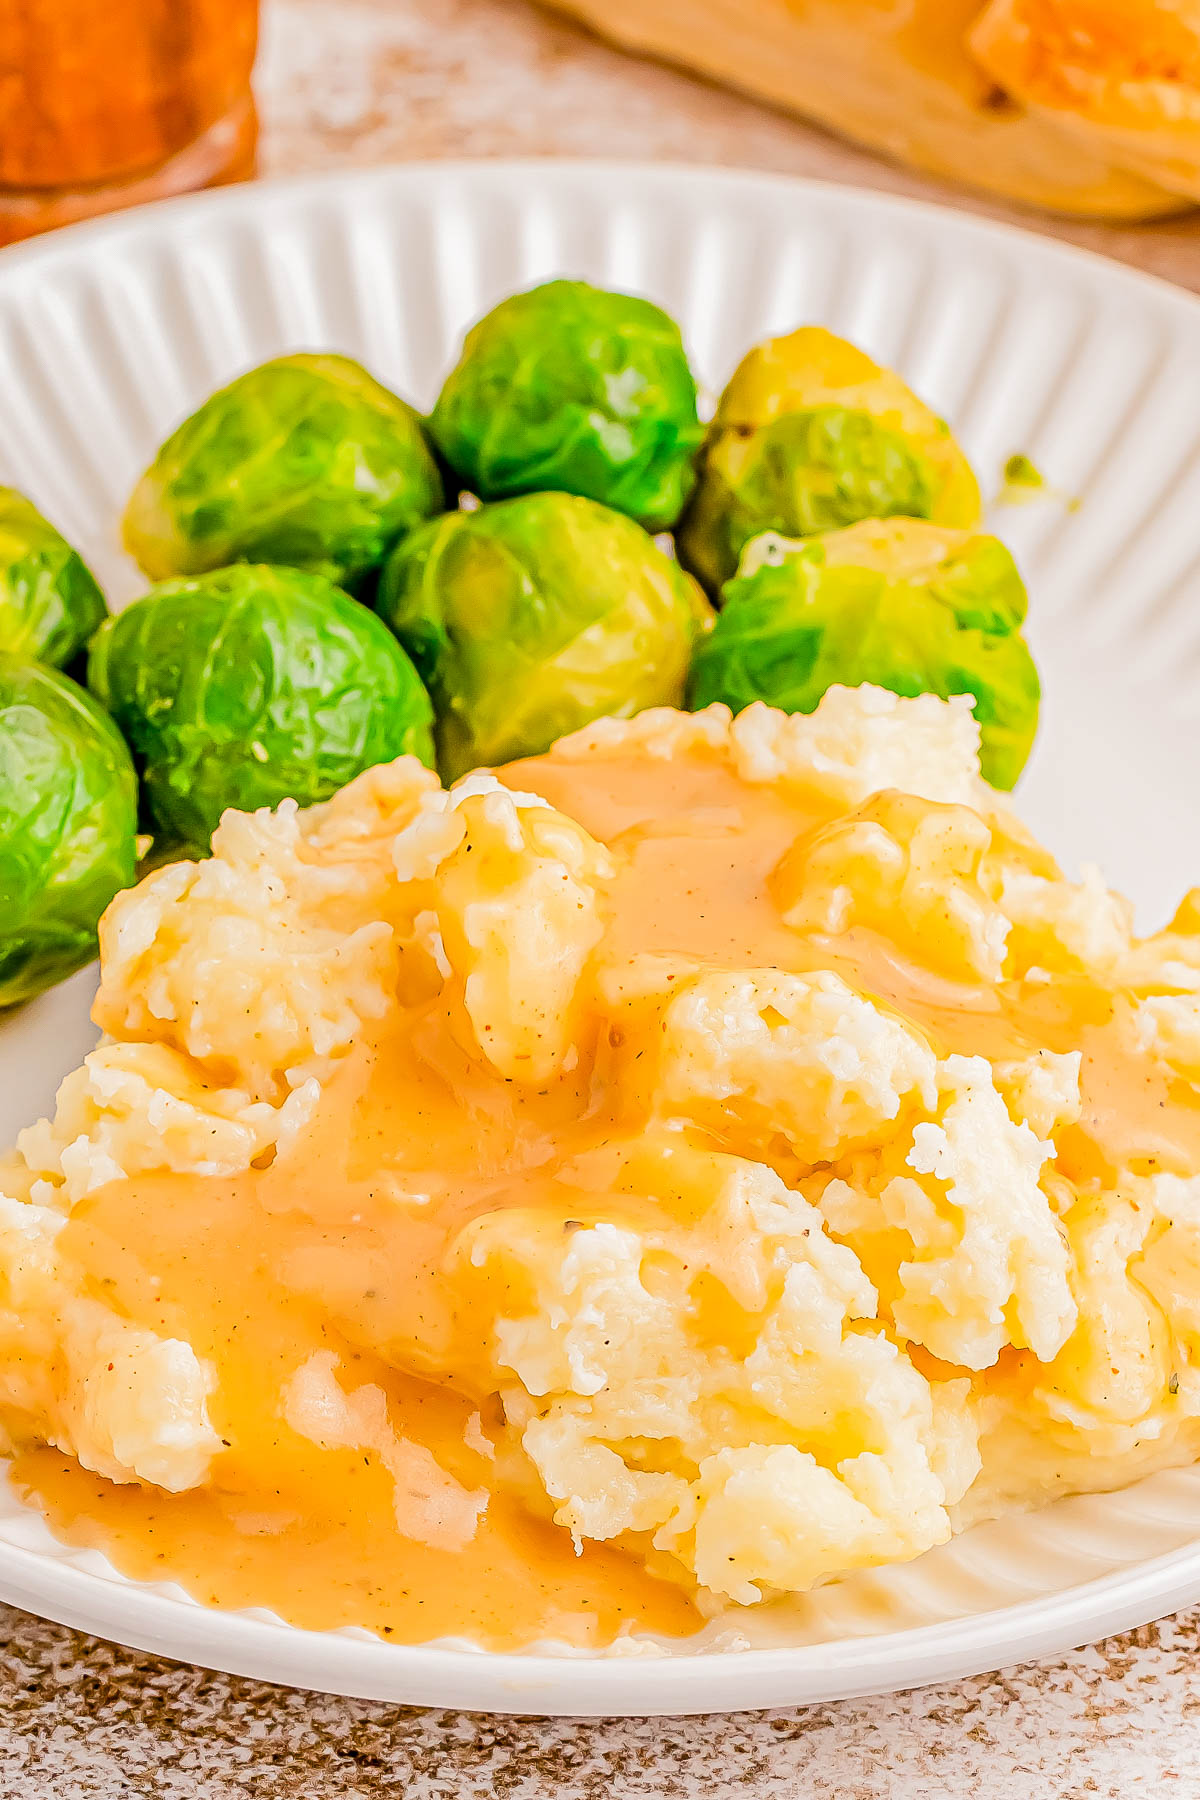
(342, 1242)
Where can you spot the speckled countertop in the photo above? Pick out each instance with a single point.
(80, 1720)
(352, 82)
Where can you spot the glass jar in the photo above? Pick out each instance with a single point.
(104, 103)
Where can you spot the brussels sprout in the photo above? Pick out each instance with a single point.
(68, 823)
(811, 435)
(573, 388)
(903, 604)
(249, 684)
(49, 601)
(305, 461)
(531, 617)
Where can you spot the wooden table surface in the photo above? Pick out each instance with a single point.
(353, 82)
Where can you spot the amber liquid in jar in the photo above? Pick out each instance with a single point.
(105, 103)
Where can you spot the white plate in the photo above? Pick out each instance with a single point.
(110, 332)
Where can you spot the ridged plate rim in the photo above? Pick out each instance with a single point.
(254, 196)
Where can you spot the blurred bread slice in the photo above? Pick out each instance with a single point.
(894, 74)
(1122, 75)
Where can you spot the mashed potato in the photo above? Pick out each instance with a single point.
(728, 1142)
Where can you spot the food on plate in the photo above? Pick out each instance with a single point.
(1122, 77)
(50, 603)
(68, 824)
(810, 435)
(900, 603)
(305, 460)
(713, 1157)
(250, 684)
(251, 674)
(534, 616)
(571, 387)
(1011, 97)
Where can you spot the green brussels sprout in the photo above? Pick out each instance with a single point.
(529, 618)
(811, 435)
(305, 461)
(49, 601)
(576, 389)
(68, 826)
(903, 604)
(250, 684)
